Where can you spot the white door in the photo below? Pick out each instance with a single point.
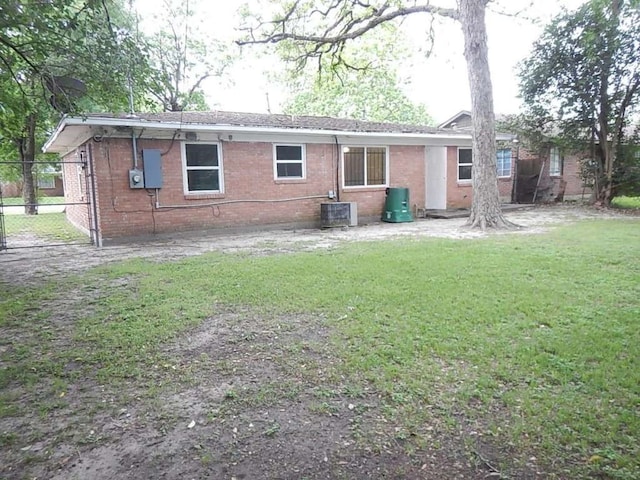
(436, 181)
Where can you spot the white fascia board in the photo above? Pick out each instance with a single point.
(455, 117)
(54, 136)
(505, 137)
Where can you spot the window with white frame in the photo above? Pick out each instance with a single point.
(289, 161)
(46, 182)
(364, 166)
(555, 162)
(465, 159)
(503, 162)
(202, 168)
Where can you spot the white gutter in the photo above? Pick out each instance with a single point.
(219, 128)
(52, 138)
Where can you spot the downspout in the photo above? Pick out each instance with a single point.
(337, 168)
(514, 187)
(94, 207)
(134, 143)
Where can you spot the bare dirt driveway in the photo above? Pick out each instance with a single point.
(245, 395)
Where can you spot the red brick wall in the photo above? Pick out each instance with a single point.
(248, 175)
(408, 169)
(505, 186)
(56, 191)
(571, 174)
(460, 193)
(75, 191)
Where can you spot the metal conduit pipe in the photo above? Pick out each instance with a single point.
(229, 202)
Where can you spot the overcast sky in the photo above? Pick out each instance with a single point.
(439, 81)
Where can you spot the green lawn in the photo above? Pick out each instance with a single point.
(532, 340)
(11, 201)
(49, 226)
(626, 202)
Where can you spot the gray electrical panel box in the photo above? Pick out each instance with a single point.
(136, 178)
(152, 168)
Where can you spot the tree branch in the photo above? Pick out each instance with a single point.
(197, 84)
(13, 75)
(351, 30)
(21, 54)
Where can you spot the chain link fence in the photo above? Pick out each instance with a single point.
(52, 219)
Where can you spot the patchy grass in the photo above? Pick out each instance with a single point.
(626, 202)
(530, 341)
(51, 226)
(13, 201)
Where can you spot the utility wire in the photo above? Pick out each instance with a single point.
(184, 55)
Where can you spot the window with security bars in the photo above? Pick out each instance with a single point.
(365, 166)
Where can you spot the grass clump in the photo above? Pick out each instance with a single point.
(625, 202)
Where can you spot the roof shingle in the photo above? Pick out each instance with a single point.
(238, 119)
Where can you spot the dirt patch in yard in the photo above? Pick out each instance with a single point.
(241, 396)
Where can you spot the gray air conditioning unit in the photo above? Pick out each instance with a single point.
(338, 214)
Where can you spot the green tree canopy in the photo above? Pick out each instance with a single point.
(59, 57)
(184, 53)
(364, 86)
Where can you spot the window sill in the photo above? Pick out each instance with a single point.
(464, 183)
(279, 181)
(506, 177)
(372, 188)
(203, 196)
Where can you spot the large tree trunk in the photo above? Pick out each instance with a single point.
(27, 157)
(485, 207)
(607, 141)
(604, 195)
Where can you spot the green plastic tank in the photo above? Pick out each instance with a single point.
(396, 206)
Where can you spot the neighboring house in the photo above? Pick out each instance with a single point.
(549, 175)
(459, 185)
(49, 184)
(546, 175)
(176, 171)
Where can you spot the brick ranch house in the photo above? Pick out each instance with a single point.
(546, 175)
(150, 173)
(48, 184)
